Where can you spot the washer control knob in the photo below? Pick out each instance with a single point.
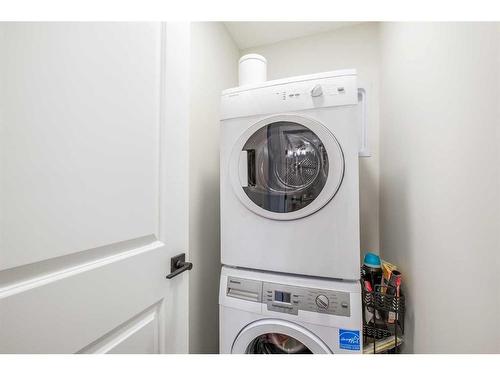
(322, 301)
(316, 91)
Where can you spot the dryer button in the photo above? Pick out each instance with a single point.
(316, 91)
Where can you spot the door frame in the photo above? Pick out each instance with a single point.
(174, 177)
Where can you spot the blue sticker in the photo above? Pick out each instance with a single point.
(349, 339)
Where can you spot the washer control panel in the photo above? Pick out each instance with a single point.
(289, 298)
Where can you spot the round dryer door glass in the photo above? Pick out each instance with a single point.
(287, 167)
(276, 343)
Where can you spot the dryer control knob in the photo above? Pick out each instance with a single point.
(322, 301)
(316, 91)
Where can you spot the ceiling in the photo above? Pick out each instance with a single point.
(252, 34)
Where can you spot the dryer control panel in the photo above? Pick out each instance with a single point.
(298, 94)
(290, 298)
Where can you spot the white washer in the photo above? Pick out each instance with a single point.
(289, 176)
(263, 312)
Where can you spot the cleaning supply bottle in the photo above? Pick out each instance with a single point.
(371, 273)
(372, 269)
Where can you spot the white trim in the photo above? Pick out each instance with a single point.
(119, 335)
(39, 281)
(144, 321)
(174, 178)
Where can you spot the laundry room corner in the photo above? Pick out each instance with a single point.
(214, 67)
(440, 208)
(348, 44)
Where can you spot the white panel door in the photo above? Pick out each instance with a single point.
(93, 166)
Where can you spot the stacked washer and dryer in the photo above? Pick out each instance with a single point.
(290, 244)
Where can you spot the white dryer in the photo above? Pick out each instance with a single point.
(262, 312)
(289, 176)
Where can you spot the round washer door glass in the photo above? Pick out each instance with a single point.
(276, 343)
(287, 167)
(276, 336)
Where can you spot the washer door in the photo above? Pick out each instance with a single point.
(275, 336)
(286, 167)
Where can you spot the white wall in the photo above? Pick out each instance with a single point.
(440, 180)
(350, 47)
(214, 67)
(439, 174)
(439, 166)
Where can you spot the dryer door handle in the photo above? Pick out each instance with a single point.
(246, 168)
(243, 168)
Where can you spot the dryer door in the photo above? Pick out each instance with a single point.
(286, 167)
(275, 336)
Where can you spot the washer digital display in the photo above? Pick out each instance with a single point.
(282, 296)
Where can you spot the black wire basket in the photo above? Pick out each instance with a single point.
(383, 321)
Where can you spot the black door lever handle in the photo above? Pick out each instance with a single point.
(178, 265)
